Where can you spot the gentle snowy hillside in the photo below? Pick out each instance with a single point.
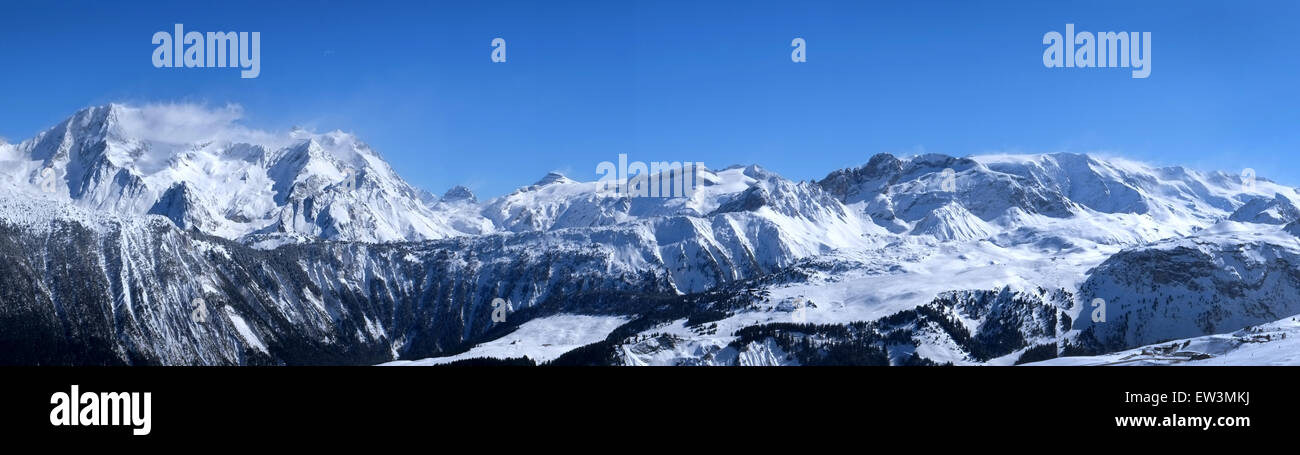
(541, 339)
(1275, 343)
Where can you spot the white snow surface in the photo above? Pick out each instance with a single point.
(541, 339)
(1272, 344)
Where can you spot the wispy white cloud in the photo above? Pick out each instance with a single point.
(188, 123)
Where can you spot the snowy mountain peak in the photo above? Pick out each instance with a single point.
(953, 222)
(1278, 209)
(165, 159)
(184, 207)
(553, 178)
(459, 193)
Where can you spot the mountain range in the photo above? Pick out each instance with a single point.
(118, 224)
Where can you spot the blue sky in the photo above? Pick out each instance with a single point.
(707, 81)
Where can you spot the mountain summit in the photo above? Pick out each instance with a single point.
(251, 185)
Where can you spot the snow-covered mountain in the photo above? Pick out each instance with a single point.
(233, 183)
(309, 248)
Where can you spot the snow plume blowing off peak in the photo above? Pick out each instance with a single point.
(183, 124)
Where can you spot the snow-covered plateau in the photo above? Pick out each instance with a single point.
(118, 224)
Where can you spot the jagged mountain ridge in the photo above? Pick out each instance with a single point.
(318, 186)
(303, 186)
(394, 272)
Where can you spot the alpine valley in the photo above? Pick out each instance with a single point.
(308, 248)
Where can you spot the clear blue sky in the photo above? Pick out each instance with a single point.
(707, 81)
